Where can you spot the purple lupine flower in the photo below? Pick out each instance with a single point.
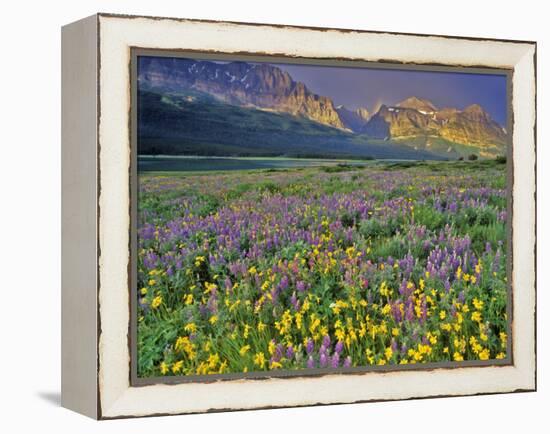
(335, 360)
(310, 362)
(323, 360)
(396, 311)
(326, 341)
(347, 362)
(283, 284)
(294, 302)
(228, 285)
(300, 286)
(150, 260)
(279, 350)
(290, 352)
(274, 295)
(338, 347)
(409, 310)
(203, 310)
(310, 346)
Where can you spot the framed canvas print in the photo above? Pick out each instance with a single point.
(260, 216)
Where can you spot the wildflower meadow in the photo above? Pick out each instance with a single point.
(336, 266)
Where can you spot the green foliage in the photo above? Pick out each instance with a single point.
(347, 242)
(431, 218)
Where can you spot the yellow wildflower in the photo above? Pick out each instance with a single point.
(275, 365)
(246, 331)
(188, 299)
(446, 327)
(476, 316)
(484, 354)
(176, 367)
(478, 304)
(213, 360)
(458, 357)
(298, 318)
(384, 290)
(157, 301)
(191, 327)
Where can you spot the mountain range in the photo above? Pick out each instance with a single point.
(208, 107)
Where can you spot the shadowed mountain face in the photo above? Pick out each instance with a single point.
(274, 104)
(196, 123)
(354, 120)
(262, 86)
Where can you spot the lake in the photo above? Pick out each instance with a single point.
(199, 164)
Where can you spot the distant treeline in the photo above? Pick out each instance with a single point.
(221, 152)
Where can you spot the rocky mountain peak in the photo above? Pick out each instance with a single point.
(240, 83)
(419, 104)
(268, 87)
(476, 112)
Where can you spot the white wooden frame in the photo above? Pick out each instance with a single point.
(96, 219)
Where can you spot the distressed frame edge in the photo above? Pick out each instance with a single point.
(529, 385)
(316, 28)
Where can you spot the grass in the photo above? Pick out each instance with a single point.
(332, 266)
